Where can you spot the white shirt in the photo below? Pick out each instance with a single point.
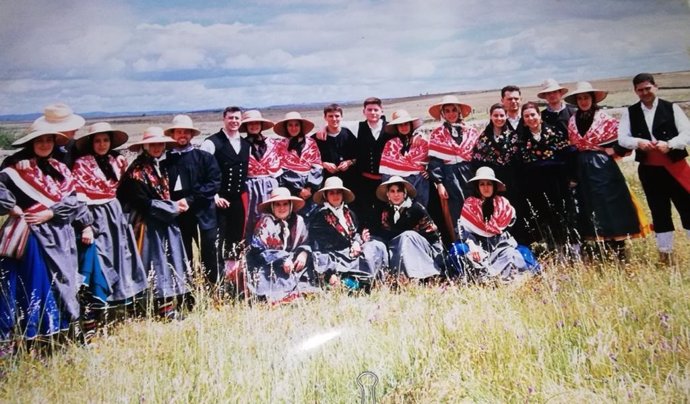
(514, 122)
(208, 146)
(353, 126)
(626, 139)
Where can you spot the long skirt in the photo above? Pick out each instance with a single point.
(268, 280)
(373, 259)
(412, 255)
(163, 255)
(115, 255)
(607, 211)
(30, 302)
(259, 190)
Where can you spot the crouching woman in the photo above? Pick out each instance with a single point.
(279, 260)
(487, 249)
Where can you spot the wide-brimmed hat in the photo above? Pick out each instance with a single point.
(548, 86)
(382, 189)
(152, 134)
(280, 127)
(585, 87)
(60, 117)
(402, 116)
(435, 109)
(118, 137)
(182, 121)
(281, 194)
(37, 130)
(254, 115)
(487, 173)
(331, 184)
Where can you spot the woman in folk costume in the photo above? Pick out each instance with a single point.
(498, 147)
(300, 159)
(547, 174)
(264, 165)
(607, 211)
(279, 262)
(450, 153)
(109, 261)
(486, 245)
(407, 154)
(409, 232)
(144, 193)
(340, 249)
(38, 276)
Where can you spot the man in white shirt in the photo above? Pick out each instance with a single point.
(510, 98)
(659, 132)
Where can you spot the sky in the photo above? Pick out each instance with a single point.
(127, 55)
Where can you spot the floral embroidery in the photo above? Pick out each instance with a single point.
(332, 220)
(502, 149)
(545, 148)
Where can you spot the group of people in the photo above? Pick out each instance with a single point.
(281, 215)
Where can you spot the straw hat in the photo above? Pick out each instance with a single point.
(585, 87)
(37, 130)
(550, 85)
(330, 184)
(402, 116)
(382, 189)
(281, 194)
(435, 109)
(280, 127)
(118, 137)
(182, 122)
(254, 115)
(487, 173)
(59, 117)
(152, 134)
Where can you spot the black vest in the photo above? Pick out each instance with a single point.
(369, 149)
(233, 166)
(663, 128)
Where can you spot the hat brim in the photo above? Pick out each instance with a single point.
(435, 110)
(60, 138)
(280, 128)
(392, 126)
(542, 94)
(382, 189)
(136, 146)
(501, 187)
(297, 203)
(599, 96)
(265, 124)
(169, 131)
(74, 122)
(118, 139)
(320, 195)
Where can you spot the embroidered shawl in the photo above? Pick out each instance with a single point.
(546, 148)
(91, 184)
(270, 163)
(142, 170)
(43, 189)
(300, 164)
(500, 149)
(393, 162)
(473, 221)
(604, 130)
(350, 232)
(443, 146)
(272, 233)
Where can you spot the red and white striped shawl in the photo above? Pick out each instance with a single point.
(301, 164)
(472, 218)
(91, 184)
(43, 189)
(604, 130)
(393, 162)
(442, 145)
(270, 163)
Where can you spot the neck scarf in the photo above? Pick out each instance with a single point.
(339, 212)
(297, 144)
(258, 146)
(407, 203)
(48, 170)
(105, 166)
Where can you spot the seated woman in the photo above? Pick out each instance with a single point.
(412, 237)
(279, 261)
(486, 246)
(38, 280)
(407, 154)
(145, 194)
(339, 250)
(108, 260)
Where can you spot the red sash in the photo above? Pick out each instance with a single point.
(680, 170)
